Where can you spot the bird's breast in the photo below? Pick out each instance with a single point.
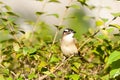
(69, 49)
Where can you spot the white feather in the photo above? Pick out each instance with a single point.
(68, 37)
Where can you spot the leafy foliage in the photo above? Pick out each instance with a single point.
(36, 55)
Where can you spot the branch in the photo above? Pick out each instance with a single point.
(86, 41)
(37, 20)
(11, 28)
(56, 68)
(61, 21)
(13, 73)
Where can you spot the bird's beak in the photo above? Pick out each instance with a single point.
(74, 31)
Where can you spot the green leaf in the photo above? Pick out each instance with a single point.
(11, 20)
(54, 59)
(59, 27)
(75, 6)
(12, 14)
(99, 23)
(1, 28)
(42, 64)
(30, 22)
(16, 46)
(25, 50)
(109, 30)
(115, 69)
(29, 50)
(55, 15)
(39, 13)
(75, 69)
(83, 2)
(7, 21)
(91, 7)
(4, 19)
(76, 64)
(1, 2)
(23, 32)
(116, 14)
(32, 50)
(114, 56)
(74, 77)
(118, 34)
(9, 78)
(104, 19)
(39, 0)
(20, 78)
(31, 76)
(4, 71)
(115, 25)
(105, 77)
(115, 72)
(8, 8)
(2, 77)
(56, 1)
(47, 72)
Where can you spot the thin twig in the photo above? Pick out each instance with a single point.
(42, 9)
(56, 68)
(13, 73)
(11, 28)
(60, 22)
(86, 41)
(37, 20)
(55, 36)
(14, 35)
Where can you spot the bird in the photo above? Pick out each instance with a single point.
(68, 43)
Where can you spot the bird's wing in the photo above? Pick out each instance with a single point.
(76, 42)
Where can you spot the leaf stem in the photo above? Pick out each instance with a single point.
(37, 20)
(15, 37)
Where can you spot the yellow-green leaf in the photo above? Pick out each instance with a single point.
(74, 77)
(2, 77)
(16, 46)
(114, 56)
(54, 59)
(55, 15)
(75, 6)
(12, 14)
(115, 25)
(56, 1)
(99, 23)
(39, 13)
(8, 8)
(116, 14)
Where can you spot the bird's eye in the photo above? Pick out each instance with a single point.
(65, 31)
(69, 31)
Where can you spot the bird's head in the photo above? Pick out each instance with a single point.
(68, 33)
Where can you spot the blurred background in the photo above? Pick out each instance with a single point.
(85, 17)
(30, 31)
